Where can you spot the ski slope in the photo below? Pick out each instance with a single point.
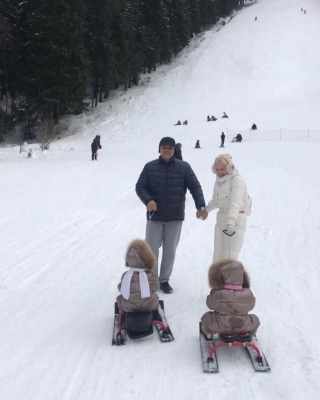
(66, 222)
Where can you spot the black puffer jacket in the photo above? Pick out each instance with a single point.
(94, 146)
(166, 183)
(177, 153)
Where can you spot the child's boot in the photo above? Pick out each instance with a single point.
(208, 335)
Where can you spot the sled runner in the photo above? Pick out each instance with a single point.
(209, 348)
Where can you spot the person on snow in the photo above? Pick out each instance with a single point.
(177, 151)
(138, 286)
(222, 139)
(230, 197)
(94, 149)
(213, 118)
(197, 146)
(237, 138)
(224, 115)
(98, 140)
(162, 187)
(231, 299)
(185, 122)
(254, 127)
(178, 123)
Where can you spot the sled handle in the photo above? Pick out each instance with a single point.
(235, 344)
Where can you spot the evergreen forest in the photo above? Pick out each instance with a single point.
(55, 54)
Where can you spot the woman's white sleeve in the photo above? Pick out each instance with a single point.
(211, 205)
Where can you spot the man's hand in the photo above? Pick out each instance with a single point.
(152, 206)
(230, 231)
(202, 214)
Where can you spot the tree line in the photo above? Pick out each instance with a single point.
(56, 53)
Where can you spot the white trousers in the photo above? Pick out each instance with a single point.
(228, 246)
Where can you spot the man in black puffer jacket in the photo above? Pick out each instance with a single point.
(162, 187)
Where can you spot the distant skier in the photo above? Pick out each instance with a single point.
(224, 115)
(95, 146)
(178, 123)
(254, 127)
(98, 140)
(197, 146)
(185, 122)
(94, 149)
(222, 139)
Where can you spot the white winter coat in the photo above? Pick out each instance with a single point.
(229, 197)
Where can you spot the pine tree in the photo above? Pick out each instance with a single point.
(208, 13)
(224, 7)
(149, 37)
(9, 53)
(179, 25)
(101, 49)
(55, 75)
(156, 32)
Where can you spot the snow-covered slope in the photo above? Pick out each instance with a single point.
(65, 223)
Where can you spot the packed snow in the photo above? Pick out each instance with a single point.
(66, 222)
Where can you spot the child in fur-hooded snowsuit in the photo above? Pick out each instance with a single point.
(231, 299)
(138, 286)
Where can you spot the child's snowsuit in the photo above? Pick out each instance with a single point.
(138, 288)
(231, 299)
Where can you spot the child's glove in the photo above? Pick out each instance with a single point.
(230, 231)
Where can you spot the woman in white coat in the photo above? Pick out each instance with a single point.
(230, 196)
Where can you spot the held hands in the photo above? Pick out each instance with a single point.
(230, 231)
(202, 214)
(152, 206)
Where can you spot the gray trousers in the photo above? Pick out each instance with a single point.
(167, 235)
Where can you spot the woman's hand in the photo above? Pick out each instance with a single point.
(230, 231)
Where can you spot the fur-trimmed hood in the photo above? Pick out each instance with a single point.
(140, 255)
(227, 272)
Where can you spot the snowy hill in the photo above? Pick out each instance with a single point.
(66, 222)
